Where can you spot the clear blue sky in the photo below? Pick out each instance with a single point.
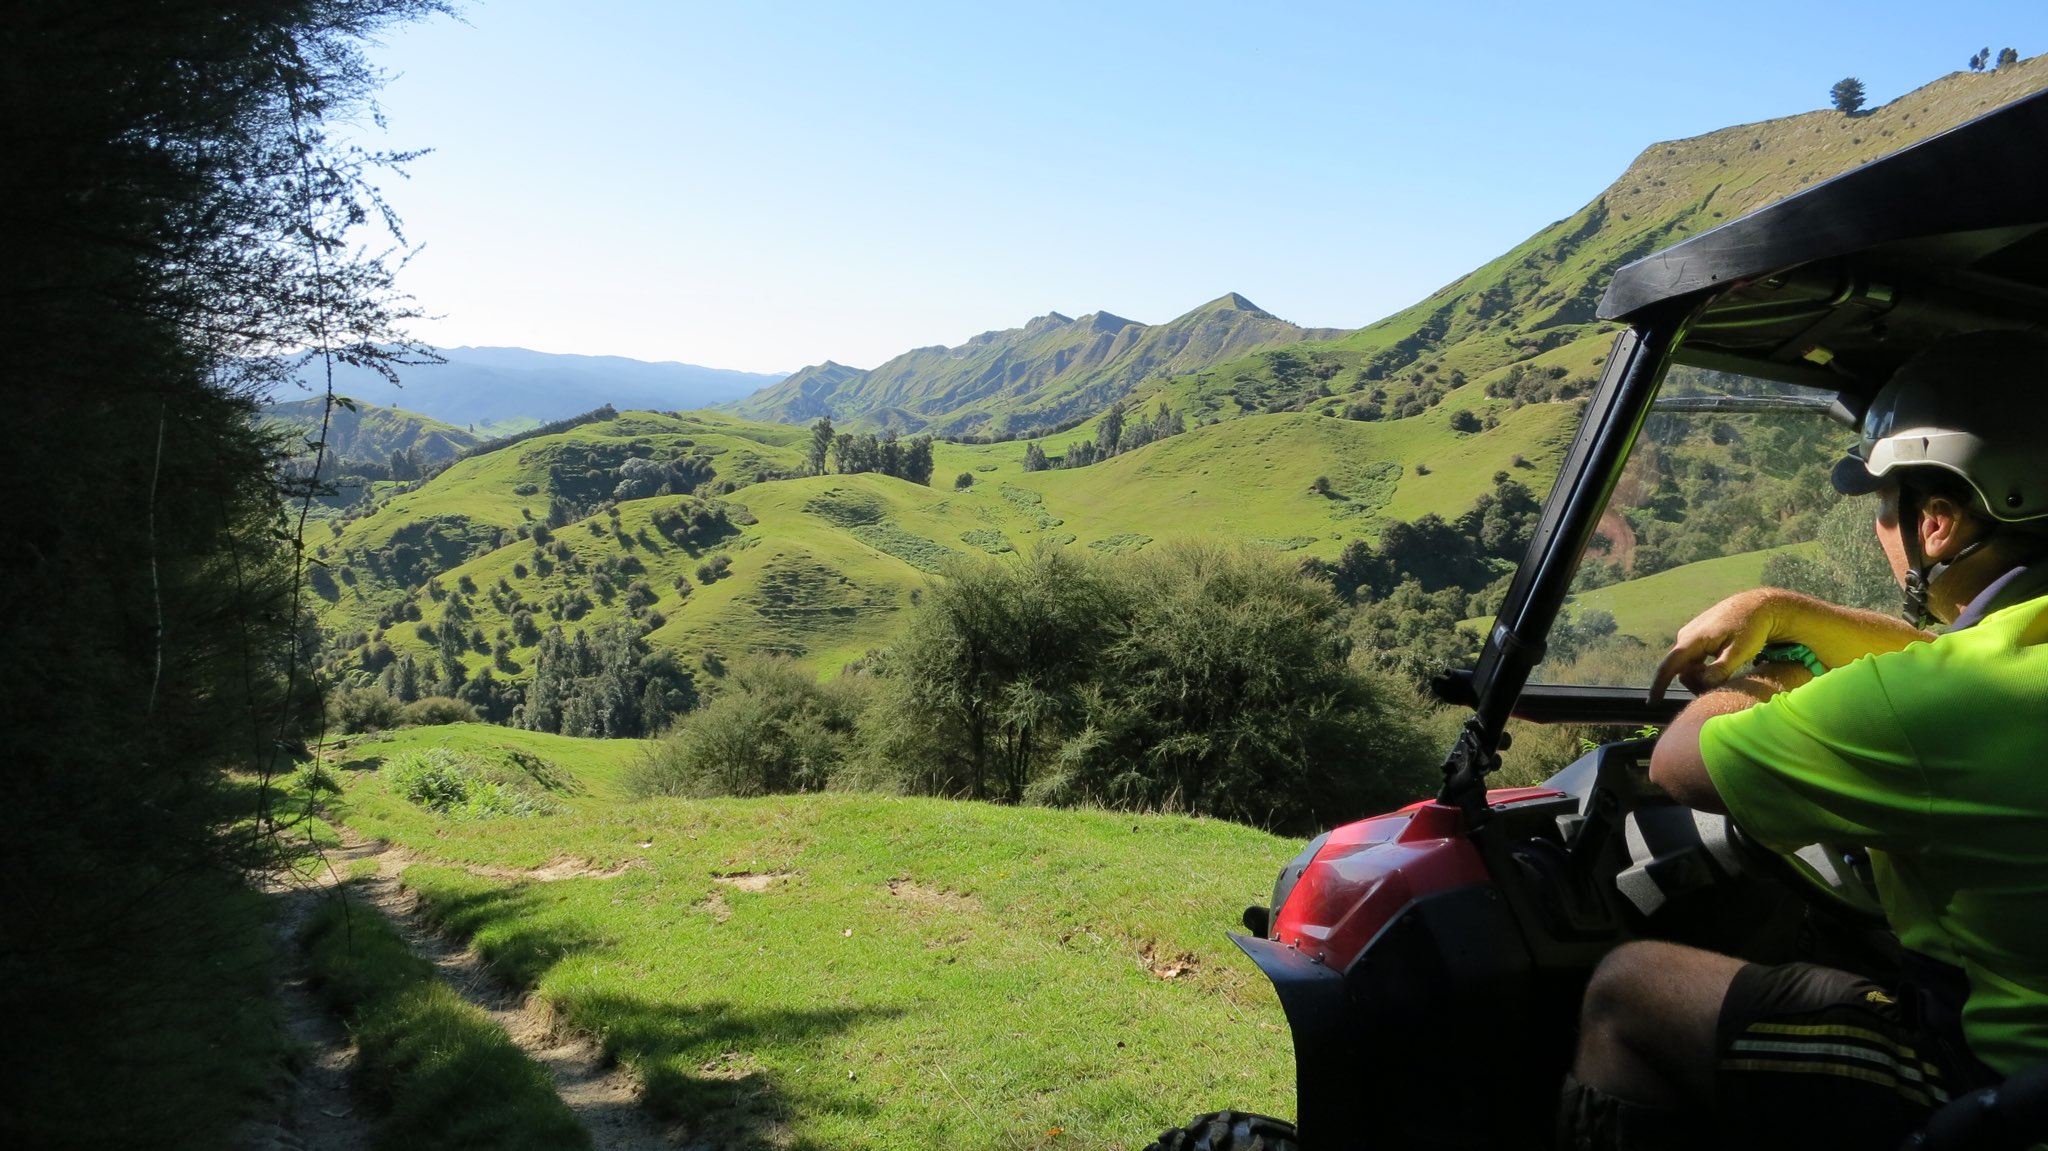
(767, 185)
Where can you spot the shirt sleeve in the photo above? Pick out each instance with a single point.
(1827, 762)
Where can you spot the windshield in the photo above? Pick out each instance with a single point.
(1726, 489)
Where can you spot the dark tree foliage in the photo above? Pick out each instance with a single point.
(610, 685)
(821, 445)
(1199, 679)
(1113, 436)
(1847, 95)
(172, 217)
(856, 452)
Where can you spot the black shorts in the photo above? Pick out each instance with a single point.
(1813, 1057)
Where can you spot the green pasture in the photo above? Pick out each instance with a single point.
(845, 970)
(829, 562)
(1654, 607)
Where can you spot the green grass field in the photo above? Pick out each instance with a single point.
(850, 970)
(1654, 607)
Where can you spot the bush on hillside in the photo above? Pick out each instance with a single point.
(771, 728)
(358, 709)
(1205, 679)
(464, 787)
(436, 711)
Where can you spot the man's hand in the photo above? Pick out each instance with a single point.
(1716, 644)
(1722, 641)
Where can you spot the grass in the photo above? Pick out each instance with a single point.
(849, 970)
(449, 1076)
(1654, 607)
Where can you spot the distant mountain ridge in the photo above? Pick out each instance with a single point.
(1052, 369)
(371, 432)
(481, 385)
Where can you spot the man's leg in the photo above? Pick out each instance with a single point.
(1647, 1040)
(1646, 1031)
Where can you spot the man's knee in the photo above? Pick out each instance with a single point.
(1648, 1021)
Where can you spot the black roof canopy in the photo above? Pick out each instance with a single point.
(1835, 286)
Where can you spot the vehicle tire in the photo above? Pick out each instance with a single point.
(1229, 1131)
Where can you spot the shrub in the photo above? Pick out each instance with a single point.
(435, 711)
(772, 728)
(963, 481)
(362, 709)
(465, 788)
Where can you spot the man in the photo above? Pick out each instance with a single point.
(1930, 752)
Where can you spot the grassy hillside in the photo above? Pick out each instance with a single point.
(1533, 306)
(842, 970)
(378, 563)
(820, 567)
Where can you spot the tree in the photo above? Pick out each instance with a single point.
(1109, 432)
(176, 210)
(2007, 56)
(821, 443)
(1978, 61)
(1847, 95)
(1034, 457)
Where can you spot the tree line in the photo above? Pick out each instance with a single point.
(851, 453)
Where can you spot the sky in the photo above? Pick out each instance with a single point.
(764, 184)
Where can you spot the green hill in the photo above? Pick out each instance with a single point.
(820, 567)
(478, 564)
(1524, 322)
(1050, 371)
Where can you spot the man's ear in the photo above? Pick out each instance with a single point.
(1946, 527)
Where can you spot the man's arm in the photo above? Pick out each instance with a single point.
(1676, 764)
(1722, 640)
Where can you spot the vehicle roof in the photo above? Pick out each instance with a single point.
(1836, 286)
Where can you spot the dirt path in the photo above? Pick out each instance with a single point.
(323, 1112)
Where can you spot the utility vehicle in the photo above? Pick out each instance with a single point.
(1430, 961)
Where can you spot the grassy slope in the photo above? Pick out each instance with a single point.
(808, 580)
(919, 973)
(479, 495)
(1535, 303)
(1653, 608)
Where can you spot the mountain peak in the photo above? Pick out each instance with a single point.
(1105, 322)
(1232, 302)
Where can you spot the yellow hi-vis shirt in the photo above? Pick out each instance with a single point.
(1936, 759)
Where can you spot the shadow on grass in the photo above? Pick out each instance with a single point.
(524, 935)
(698, 1064)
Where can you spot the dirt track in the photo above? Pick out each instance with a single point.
(319, 1110)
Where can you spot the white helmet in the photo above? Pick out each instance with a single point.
(1975, 405)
